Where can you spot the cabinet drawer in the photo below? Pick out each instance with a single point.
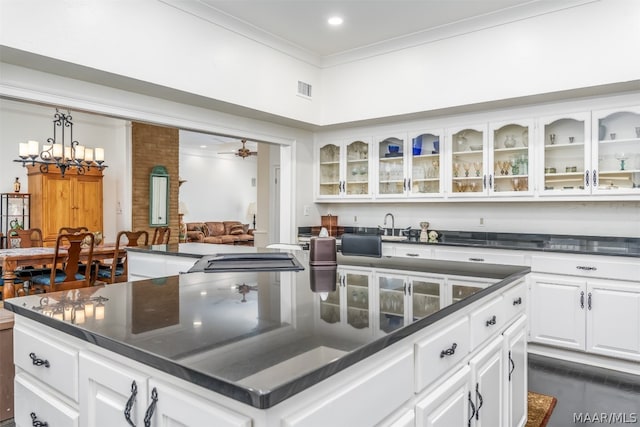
(483, 256)
(438, 353)
(46, 408)
(52, 362)
(414, 251)
(357, 401)
(486, 321)
(587, 266)
(514, 301)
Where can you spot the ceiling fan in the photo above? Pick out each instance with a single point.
(241, 152)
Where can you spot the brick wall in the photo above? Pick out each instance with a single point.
(151, 146)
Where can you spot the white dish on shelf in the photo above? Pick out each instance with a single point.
(475, 147)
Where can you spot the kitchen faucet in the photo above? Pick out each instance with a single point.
(393, 224)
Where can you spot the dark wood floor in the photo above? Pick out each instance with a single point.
(583, 390)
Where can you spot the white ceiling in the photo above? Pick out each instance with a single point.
(366, 22)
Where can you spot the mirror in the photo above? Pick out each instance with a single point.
(159, 196)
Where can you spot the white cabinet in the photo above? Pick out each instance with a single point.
(451, 405)
(480, 255)
(343, 170)
(586, 314)
(515, 377)
(487, 385)
(403, 298)
(615, 154)
(350, 303)
(564, 155)
(410, 166)
(37, 407)
(510, 158)
(468, 171)
(111, 394)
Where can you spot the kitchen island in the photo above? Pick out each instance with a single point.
(387, 341)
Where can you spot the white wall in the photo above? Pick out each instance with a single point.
(574, 48)
(578, 47)
(154, 42)
(21, 121)
(218, 187)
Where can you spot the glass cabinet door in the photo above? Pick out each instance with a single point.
(357, 299)
(565, 166)
(330, 310)
(391, 302)
(460, 289)
(468, 162)
(391, 165)
(617, 151)
(357, 178)
(425, 178)
(330, 179)
(426, 296)
(510, 158)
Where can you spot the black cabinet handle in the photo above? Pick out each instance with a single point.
(409, 289)
(594, 180)
(480, 399)
(491, 321)
(513, 365)
(449, 351)
(404, 288)
(517, 301)
(404, 184)
(586, 178)
(586, 267)
(129, 405)
(484, 182)
(151, 409)
(412, 254)
(409, 184)
(589, 301)
(38, 362)
(582, 299)
(476, 259)
(473, 410)
(36, 423)
(490, 181)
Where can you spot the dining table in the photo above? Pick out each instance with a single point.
(13, 258)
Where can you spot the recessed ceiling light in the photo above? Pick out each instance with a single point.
(335, 21)
(203, 146)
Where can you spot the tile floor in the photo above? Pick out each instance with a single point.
(583, 390)
(579, 389)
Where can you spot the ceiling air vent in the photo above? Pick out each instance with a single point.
(304, 89)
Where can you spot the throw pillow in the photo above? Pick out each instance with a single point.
(236, 229)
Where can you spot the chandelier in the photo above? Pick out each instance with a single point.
(59, 153)
(74, 307)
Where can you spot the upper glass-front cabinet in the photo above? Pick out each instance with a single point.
(616, 151)
(565, 143)
(467, 161)
(510, 158)
(409, 166)
(344, 169)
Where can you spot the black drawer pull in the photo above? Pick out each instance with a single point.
(491, 321)
(582, 299)
(513, 365)
(473, 410)
(589, 301)
(412, 254)
(586, 268)
(449, 351)
(38, 362)
(130, 402)
(517, 301)
(151, 409)
(476, 259)
(36, 423)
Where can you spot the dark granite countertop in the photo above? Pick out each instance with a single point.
(229, 332)
(586, 245)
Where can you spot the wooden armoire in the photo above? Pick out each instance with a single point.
(74, 200)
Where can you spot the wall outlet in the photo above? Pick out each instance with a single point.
(306, 210)
(355, 219)
(481, 223)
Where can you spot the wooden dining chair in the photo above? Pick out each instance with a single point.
(117, 269)
(29, 238)
(161, 236)
(72, 230)
(67, 272)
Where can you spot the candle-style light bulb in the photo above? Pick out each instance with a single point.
(23, 150)
(57, 151)
(88, 155)
(99, 155)
(100, 311)
(33, 148)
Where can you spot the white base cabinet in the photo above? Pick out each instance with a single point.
(598, 316)
(94, 387)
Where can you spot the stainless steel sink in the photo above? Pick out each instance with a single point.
(394, 238)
